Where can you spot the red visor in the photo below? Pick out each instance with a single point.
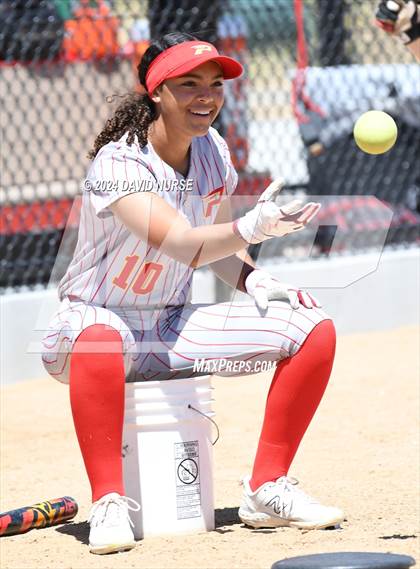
(179, 59)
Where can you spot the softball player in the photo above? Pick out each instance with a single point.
(155, 207)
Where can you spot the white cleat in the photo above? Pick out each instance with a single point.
(280, 503)
(110, 524)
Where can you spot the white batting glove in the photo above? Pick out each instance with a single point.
(267, 220)
(263, 287)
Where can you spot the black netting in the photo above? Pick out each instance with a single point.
(307, 80)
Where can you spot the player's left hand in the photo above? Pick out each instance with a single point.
(263, 287)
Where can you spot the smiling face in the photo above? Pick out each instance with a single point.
(190, 103)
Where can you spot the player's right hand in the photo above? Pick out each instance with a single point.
(267, 220)
(400, 17)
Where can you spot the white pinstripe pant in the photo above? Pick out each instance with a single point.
(163, 343)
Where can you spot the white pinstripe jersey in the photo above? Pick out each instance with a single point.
(111, 266)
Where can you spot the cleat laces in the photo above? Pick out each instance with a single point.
(287, 495)
(113, 509)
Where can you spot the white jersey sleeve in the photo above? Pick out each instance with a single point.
(116, 172)
(231, 176)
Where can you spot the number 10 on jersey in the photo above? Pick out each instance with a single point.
(144, 278)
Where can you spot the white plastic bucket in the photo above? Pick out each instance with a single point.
(168, 455)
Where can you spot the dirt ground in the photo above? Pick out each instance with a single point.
(361, 453)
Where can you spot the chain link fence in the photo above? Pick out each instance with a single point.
(312, 68)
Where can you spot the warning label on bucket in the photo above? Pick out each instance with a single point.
(188, 499)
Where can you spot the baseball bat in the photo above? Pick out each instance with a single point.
(40, 515)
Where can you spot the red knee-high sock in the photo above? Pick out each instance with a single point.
(295, 392)
(97, 383)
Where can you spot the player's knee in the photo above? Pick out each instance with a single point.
(98, 334)
(97, 339)
(323, 339)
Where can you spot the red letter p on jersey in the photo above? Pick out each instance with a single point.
(213, 198)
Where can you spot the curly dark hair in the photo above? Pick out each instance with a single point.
(135, 114)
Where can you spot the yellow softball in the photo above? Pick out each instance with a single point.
(375, 132)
